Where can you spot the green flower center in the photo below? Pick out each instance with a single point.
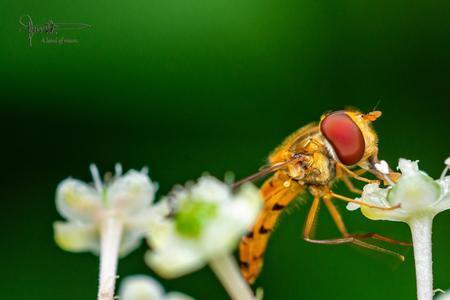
(192, 216)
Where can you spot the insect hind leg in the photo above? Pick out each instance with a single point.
(356, 238)
(309, 225)
(347, 238)
(341, 226)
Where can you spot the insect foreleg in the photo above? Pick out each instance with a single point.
(347, 199)
(353, 174)
(350, 185)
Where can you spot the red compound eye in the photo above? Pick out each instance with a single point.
(345, 137)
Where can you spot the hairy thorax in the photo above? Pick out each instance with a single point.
(315, 165)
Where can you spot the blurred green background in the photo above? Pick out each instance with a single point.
(191, 86)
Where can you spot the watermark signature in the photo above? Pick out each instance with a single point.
(49, 30)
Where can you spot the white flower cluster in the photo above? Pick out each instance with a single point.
(197, 224)
(207, 220)
(141, 287)
(128, 199)
(417, 194)
(417, 199)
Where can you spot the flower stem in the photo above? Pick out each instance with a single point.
(421, 234)
(227, 271)
(110, 235)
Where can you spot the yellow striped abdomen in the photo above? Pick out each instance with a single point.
(277, 192)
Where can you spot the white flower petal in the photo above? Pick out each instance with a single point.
(160, 232)
(175, 259)
(139, 225)
(443, 296)
(374, 195)
(244, 209)
(223, 233)
(140, 287)
(445, 184)
(352, 206)
(177, 296)
(131, 192)
(76, 237)
(395, 215)
(444, 200)
(408, 167)
(211, 189)
(76, 200)
(172, 255)
(415, 191)
(443, 204)
(383, 167)
(219, 237)
(144, 218)
(130, 241)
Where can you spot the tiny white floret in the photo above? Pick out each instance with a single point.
(207, 220)
(417, 198)
(415, 192)
(383, 167)
(141, 287)
(127, 199)
(447, 162)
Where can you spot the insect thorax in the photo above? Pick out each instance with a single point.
(316, 165)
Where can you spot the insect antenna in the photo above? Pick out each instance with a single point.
(376, 105)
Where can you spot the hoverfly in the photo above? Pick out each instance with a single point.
(311, 160)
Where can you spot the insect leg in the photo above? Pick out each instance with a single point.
(336, 216)
(311, 218)
(379, 237)
(361, 171)
(341, 226)
(342, 174)
(347, 199)
(354, 175)
(309, 225)
(350, 185)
